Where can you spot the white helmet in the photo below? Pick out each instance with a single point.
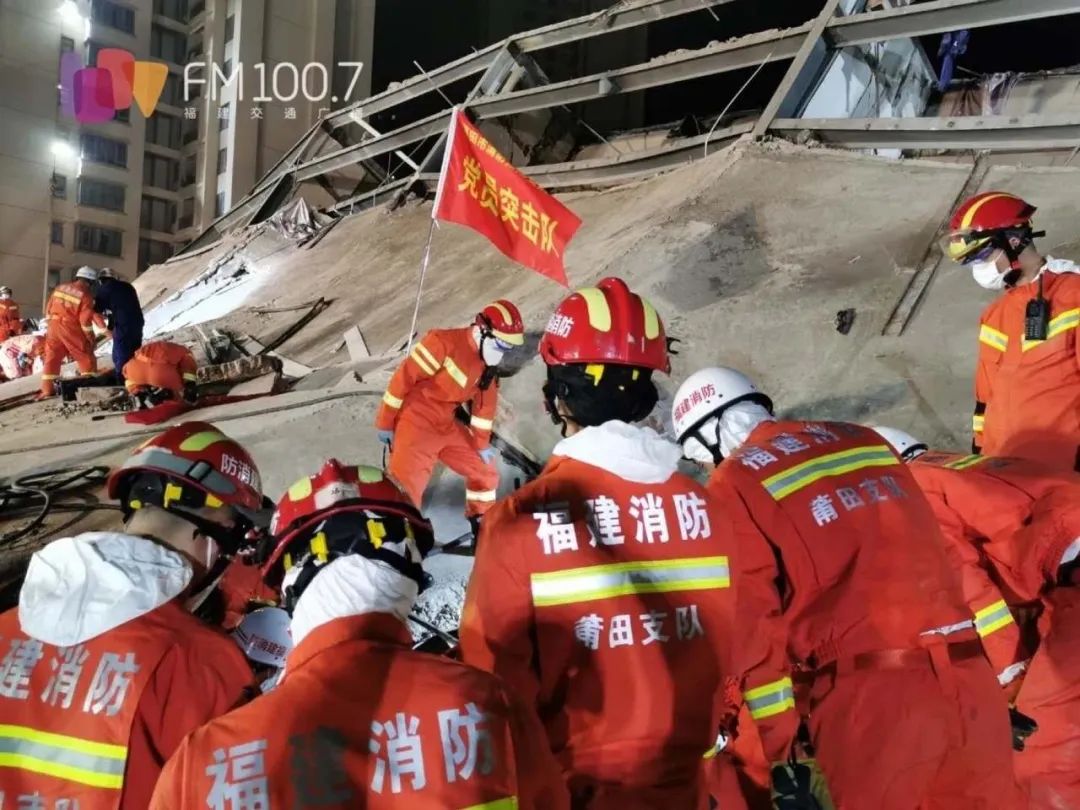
(264, 637)
(5, 292)
(88, 273)
(701, 400)
(105, 272)
(903, 444)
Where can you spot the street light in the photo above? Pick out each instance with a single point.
(62, 150)
(69, 12)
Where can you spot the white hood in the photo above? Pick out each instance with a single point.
(634, 453)
(77, 588)
(352, 586)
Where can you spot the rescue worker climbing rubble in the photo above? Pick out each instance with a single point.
(70, 312)
(417, 419)
(1027, 384)
(1016, 525)
(854, 591)
(359, 719)
(602, 590)
(104, 670)
(161, 371)
(10, 319)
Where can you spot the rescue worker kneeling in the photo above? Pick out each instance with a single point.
(104, 670)
(602, 591)
(359, 719)
(161, 371)
(854, 590)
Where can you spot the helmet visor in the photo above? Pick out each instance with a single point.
(968, 245)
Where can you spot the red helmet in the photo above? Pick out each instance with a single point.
(972, 227)
(607, 323)
(503, 320)
(195, 455)
(346, 510)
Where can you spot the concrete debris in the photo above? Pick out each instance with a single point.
(358, 349)
(289, 367)
(237, 371)
(100, 396)
(266, 384)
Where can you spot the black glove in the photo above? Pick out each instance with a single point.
(191, 392)
(1022, 728)
(793, 786)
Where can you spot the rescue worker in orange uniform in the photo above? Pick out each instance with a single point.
(855, 592)
(161, 371)
(446, 369)
(1027, 385)
(602, 590)
(359, 719)
(104, 670)
(1019, 522)
(10, 319)
(70, 312)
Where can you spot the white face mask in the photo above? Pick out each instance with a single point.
(491, 353)
(987, 275)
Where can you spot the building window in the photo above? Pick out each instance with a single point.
(171, 95)
(159, 172)
(226, 70)
(54, 278)
(59, 186)
(173, 9)
(113, 15)
(99, 149)
(168, 45)
(67, 45)
(190, 129)
(157, 215)
(57, 237)
(219, 204)
(163, 130)
(187, 171)
(222, 160)
(123, 116)
(100, 194)
(153, 251)
(187, 213)
(230, 28)
(223, 117)
(95, 239)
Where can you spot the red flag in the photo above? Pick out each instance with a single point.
(479, 189)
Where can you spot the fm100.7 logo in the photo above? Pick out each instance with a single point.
(283, 82)
(94, 94)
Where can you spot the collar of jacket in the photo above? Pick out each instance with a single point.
(632, 452)
(377, 628)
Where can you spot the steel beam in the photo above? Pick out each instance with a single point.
(616, 18)
(1002, 132)
(736, 54)
(390, 142)
(796, 67)
(940, 16)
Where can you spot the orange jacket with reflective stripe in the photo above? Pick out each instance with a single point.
(94, 723)
(162, 364)
(10, 320)
(1027, 393)
(361, 720)
(980, 503)
(608, 605)
(855, 561)
(441, 372)
(71, 308)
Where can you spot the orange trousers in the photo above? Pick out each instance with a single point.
(915, 739)
(1049, 765)
(418, 445)
(739, 777)
(139, 372)
(61, 341)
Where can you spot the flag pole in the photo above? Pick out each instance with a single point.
(447, 149)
